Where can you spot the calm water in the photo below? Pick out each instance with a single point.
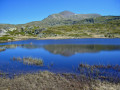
(65, 55)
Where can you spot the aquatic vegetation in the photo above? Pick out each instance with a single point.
(114, 67)
(2, 74)
(51, 64)
(2, 49)
(104, 72)
(29, 60)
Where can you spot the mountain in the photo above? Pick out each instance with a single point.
(66, 18)
(61, 15)
(67, 24)
(66, 14)
(63, 18)
(70, 15)
(101, 20)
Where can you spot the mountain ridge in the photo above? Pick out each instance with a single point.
(71, 15)
(59, 18)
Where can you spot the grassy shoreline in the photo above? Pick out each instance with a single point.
(46, 38)
(46, 80)
(61, 81)
(51, 81)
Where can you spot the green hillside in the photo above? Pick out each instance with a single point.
(109, 29)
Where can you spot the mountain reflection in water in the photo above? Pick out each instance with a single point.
(66, 49)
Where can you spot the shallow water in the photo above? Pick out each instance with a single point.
(59, 55)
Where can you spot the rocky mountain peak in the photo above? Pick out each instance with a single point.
(66, 13)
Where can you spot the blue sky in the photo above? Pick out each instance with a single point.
(23, 11)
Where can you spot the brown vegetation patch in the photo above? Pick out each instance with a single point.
(50, 81)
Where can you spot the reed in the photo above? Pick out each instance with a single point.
(103, 72)
(2, 49)
(29, 60)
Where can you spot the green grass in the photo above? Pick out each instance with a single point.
(5, 38)
(16, 32)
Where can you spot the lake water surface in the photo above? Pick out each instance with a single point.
(59, 55)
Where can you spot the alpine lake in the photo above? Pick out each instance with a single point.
(62, 56)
